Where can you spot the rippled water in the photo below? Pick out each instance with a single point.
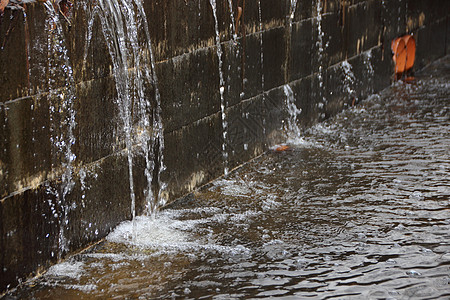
(357, 209)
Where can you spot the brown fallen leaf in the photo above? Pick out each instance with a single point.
(282, 148)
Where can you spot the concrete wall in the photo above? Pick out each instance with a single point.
(33, 213)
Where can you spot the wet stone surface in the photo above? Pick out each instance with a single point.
(357, 209)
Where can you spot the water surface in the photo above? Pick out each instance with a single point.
(358, 209)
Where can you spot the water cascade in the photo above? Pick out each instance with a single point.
(157, 138)
(320, 50)
(62, 120)
(232, 27)
(348, 80)
(130, 57)
(291, 127)
(292, 13)
(261, 46)
(221, 89)
(367, 57)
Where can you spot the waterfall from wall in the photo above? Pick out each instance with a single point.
(292, 12)
(291, 127)
(320, 50)
(157, 138)
(367, 56)
(62, 120)
(261, 45)
(125, 28)
(223, 103)
(232, 27)
(348, 80)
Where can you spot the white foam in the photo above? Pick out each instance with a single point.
(164, 234)
(150, 231)
(83, 288)
(67, 269)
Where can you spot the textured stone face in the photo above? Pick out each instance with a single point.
(64, 174)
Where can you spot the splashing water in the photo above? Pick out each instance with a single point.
(62, 117)
(221, 89)
(367, 57)
(291, 127)
(354, 213)
(368, 62)
(349, 79)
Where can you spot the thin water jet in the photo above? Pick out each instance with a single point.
(223, 103)
(320, 53)
(62, 112)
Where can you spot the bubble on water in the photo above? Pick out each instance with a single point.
(413, 273)
(400, 227)
(416, 196)
(361, 236)
(391, 261)
(426, 251)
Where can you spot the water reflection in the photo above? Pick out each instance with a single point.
(359, 209)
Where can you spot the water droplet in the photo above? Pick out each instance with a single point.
(412, 273)
(391, 261)
(416, 196)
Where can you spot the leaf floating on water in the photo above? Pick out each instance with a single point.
(282, 148)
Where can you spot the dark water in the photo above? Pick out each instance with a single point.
(359, 208)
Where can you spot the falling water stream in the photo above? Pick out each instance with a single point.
(357, 209)
(320, 51)
(261, 45)
(232, 26)
(62, 119)
(223, 103)
(349, 79)
(130, 57)
(291, 128)
(292, 12)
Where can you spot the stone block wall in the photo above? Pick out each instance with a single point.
(64, 173)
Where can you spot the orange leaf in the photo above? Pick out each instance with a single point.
(282, 148)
